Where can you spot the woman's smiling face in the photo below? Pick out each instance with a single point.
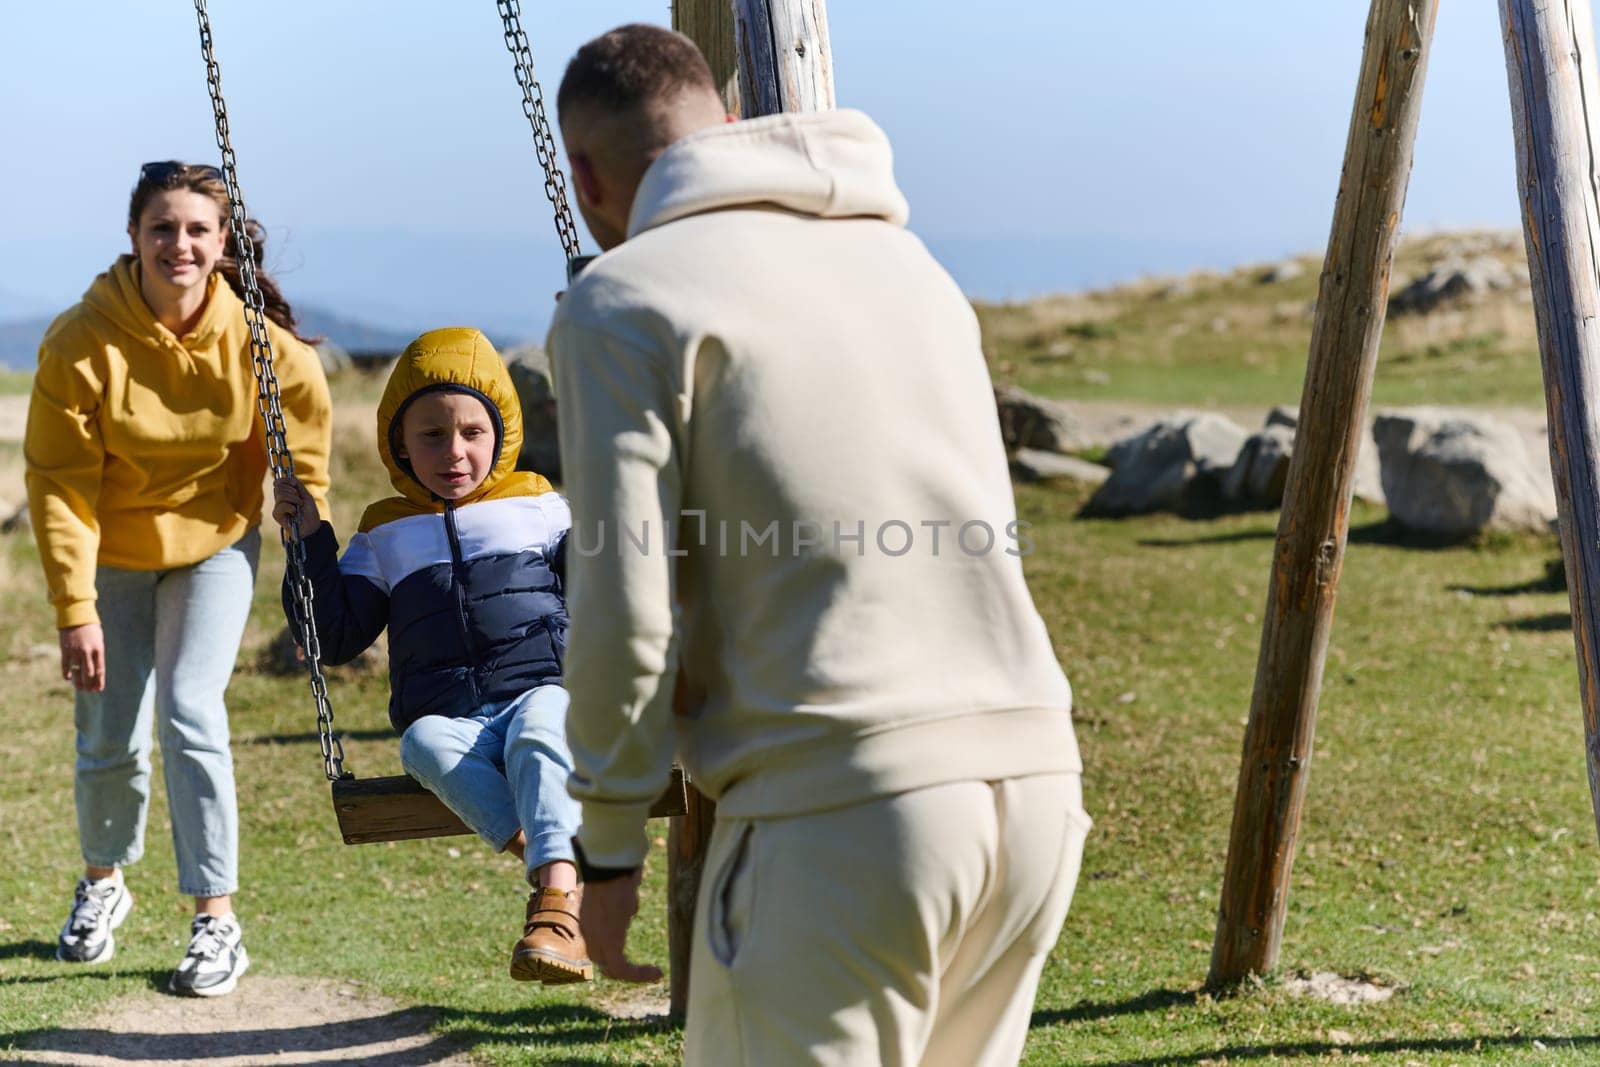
(179, 239)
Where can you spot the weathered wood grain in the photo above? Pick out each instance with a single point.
(785, 61)
(1550, 68)
(1351, 302)
(784, 64)
(709, 24)
(688, 838)
(398, 808)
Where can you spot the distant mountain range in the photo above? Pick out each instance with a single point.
(19, 337)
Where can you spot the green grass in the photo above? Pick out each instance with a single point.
(1227, 340)
(1448, 848)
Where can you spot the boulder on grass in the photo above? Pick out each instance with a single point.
(541, 443)
(1175, 465)
(1032, 465)
(1034, 422)
(1369, 479)
(1287, 271)
(1258, 475)
(1450, 281)
(333, 356)
(1458, 474)
(282, 656)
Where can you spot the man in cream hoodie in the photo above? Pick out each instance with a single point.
(786, 477)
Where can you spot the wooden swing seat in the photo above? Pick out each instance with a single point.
(398, 808)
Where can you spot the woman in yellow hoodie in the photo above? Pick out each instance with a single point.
(145, 464)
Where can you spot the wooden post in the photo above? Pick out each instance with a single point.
(709, 24)
(1550, 68)
(785, 62)
(688, 837)
(1351, 301)
(783, 52)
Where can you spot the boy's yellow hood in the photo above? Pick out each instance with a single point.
(460, 359)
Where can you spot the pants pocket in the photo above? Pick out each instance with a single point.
(732, 896)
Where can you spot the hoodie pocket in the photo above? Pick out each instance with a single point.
(732, 899)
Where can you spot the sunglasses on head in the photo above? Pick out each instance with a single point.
(166, 170)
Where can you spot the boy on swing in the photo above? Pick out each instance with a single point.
(465, 570)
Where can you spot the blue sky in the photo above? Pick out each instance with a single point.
(1043, 145)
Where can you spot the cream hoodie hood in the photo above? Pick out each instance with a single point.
(786, 475)
(831, 164)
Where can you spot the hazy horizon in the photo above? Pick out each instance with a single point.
(1043, 148)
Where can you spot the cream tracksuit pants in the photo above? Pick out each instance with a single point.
(909, 930)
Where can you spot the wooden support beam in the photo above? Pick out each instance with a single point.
(709, 24)
(785, 61)
(1550, 67)
(784, 64)
(1351, 302)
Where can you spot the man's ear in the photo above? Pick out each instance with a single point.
(587, 181)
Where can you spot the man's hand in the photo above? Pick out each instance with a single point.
(291, 501)
(83, 657)
(608, 908)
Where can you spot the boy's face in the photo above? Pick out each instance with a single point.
(449, 440)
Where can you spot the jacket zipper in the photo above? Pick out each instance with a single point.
(458, 582)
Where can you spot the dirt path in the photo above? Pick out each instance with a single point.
(266, 1021)
(13, 417)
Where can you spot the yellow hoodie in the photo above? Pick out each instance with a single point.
(145, 450)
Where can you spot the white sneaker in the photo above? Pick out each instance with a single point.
(215, 959)
(97, 909)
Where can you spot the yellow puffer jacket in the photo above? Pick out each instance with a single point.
(145, 450)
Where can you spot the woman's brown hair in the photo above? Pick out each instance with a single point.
(206, 180)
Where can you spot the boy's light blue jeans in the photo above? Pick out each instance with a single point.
(171, 639)
(503, 769)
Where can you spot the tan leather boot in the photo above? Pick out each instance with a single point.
(552, 949)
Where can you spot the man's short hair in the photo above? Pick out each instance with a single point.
(630, 66)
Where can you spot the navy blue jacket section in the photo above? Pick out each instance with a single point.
(471, 596)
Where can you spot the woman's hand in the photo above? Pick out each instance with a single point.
(290, 499)
(83, 657)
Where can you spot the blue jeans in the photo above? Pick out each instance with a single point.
(502, 769)
(171, 639)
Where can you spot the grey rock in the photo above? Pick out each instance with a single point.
(1034, 422)
(1369, 472)
(282, 656)
(1284, 415)
(1032, 465)
(1260, 472)
(1452, 280)
(1369, 482)
(19, 521)
(334, 358)
(1175, 465)
(1286, 271)
(1458, 474)
(541, 442)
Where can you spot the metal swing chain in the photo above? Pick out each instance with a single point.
(279, 457)
(544, 142)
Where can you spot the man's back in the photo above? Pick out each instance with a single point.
(810, 388)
